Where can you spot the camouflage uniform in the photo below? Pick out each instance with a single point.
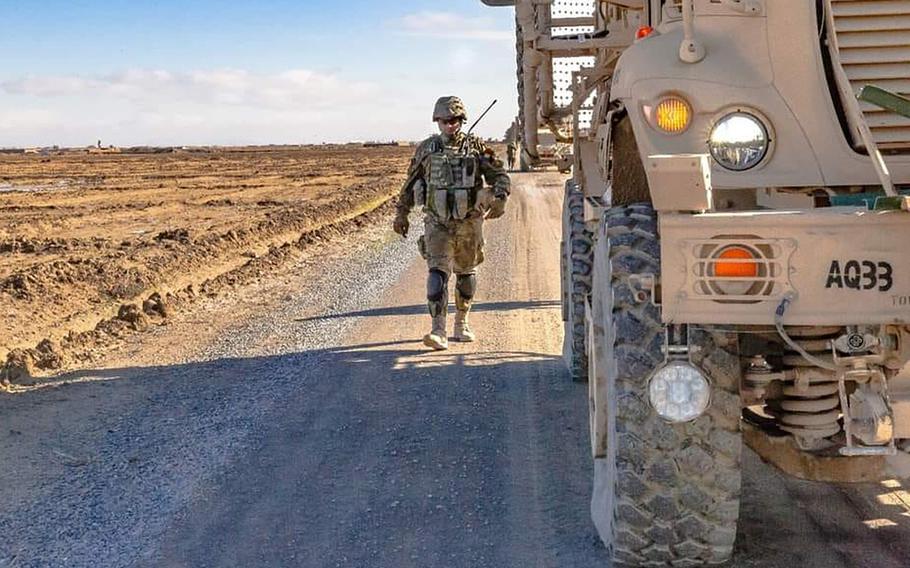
(446, 178)
(511, 152)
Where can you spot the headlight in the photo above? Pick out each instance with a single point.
(679, 392)
(739, 141)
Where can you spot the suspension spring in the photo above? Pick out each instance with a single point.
(810, 405)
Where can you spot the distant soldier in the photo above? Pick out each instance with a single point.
(511, 152)
(446, 177)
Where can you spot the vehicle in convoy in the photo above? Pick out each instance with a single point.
(551, 151)
(734, 262)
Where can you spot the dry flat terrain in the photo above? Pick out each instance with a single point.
(94, 244)
(298, 420)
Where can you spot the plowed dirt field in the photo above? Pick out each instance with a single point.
(95, 245)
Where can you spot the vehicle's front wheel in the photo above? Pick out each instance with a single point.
(524, 160)
(665, 494)
(575, 279)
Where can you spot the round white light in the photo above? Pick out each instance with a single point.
(679, 392)
(739, 141)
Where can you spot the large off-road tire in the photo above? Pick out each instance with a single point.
(628, 181)
(524, 163)
(664, 494)
(575, 271)
(524, 160)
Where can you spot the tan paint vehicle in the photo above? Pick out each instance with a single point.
(551, 152)
(735, 258)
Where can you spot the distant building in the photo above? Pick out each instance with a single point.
(389, 143)
(100, 150)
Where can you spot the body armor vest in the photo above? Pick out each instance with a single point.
(451, 184)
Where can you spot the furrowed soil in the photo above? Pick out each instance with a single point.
(93, 246)
(298, 419)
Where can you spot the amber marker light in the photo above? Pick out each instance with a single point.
(672, 115)
(730, 264)
(643, 32)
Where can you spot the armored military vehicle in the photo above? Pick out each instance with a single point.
(734, 263)
(551, 152)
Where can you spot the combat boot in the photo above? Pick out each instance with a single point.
(464, 293)
(462, 330)
(437, 337)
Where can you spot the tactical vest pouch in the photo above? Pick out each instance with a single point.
(440, 171)
(464, 170)
(438, 205)
(451, 179)
(461, 204)
(452, 171)
(468, 171)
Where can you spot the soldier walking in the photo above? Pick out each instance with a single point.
(446, 178)
(511, 152)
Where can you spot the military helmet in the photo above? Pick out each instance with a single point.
(449, 107)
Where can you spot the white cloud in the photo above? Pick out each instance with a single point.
(237, 106)
(463, 57)
(153, 106)
(286, 90)
(453, 26)
(27, 118)
(46, 86)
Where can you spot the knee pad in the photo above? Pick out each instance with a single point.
(466, 285)
(437, 285)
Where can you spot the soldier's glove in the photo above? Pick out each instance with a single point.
(401, 224)
(498, 207)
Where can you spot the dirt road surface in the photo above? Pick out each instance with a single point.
(300, 422)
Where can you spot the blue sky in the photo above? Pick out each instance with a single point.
(244, 72)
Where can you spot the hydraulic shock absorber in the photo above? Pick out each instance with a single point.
(809, 407)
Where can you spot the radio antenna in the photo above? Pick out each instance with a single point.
(479, 118)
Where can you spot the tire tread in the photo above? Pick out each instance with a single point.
(685, 478)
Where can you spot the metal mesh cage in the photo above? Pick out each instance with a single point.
(564, 67)
(571, 8)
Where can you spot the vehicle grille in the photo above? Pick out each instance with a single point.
(871, 38)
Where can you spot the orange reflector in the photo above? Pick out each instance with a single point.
(672, 115)
(643, 32)
(735, 269)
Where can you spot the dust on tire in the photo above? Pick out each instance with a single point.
(664, 493)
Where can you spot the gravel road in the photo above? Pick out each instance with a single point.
(300, 422)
